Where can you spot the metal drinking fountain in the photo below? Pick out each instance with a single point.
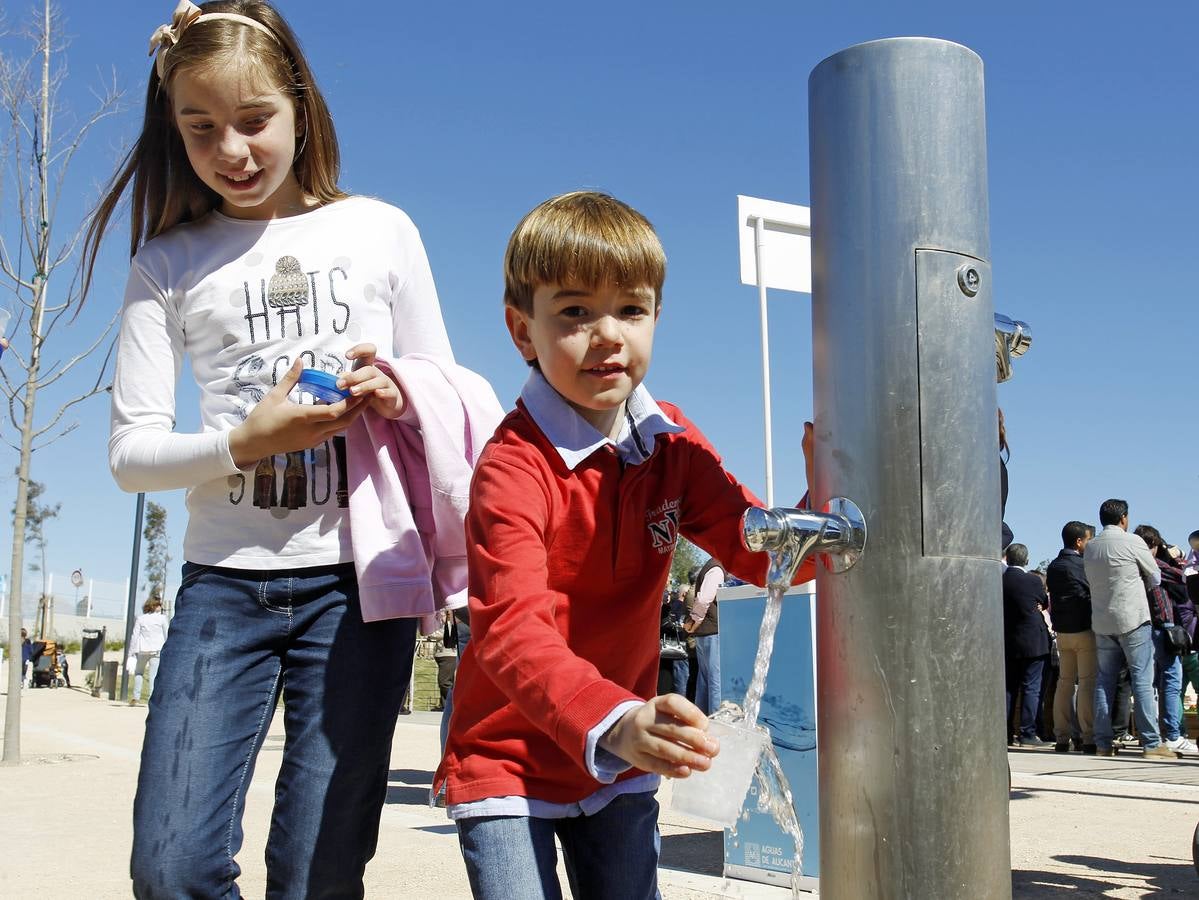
(790, 536)
(907, 351)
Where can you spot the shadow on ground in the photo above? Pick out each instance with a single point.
(413, 787)
(1170, 877)
(701, 852)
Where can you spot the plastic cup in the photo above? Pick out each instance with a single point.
(717, 794)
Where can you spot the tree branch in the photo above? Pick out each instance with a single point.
(108, 104)
(62, 434)
(98, 389)
(52, 377)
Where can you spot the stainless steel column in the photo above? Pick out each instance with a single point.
(913, 777)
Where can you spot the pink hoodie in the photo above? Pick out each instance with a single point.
(410, 487)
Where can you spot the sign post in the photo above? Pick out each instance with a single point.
(783, 232)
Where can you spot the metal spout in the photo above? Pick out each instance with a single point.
(1012, 340)
(790, 536)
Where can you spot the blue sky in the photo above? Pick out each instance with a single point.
(467, 115)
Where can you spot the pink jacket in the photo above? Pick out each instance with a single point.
(410, 488)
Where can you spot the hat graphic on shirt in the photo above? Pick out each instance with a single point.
(288, 286)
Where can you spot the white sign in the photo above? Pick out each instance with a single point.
(787, 243)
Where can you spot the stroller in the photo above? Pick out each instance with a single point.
(45, 666)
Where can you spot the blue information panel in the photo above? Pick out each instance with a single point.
(761, 851)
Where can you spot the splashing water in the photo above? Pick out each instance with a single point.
(774, 791)
(774, 797)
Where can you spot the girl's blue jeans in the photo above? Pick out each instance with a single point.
(239, 638)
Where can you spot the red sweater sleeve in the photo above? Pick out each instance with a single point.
(712, 511)
(515, 632)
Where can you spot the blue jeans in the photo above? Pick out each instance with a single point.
(1135, 647)
(463, 640)
(238, 638)
(707, 683)
(612, 854)
(680, 671)
(1025, 672)
(1168, 679)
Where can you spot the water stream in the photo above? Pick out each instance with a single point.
(774, 792)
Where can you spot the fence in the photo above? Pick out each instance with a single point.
(92, 599)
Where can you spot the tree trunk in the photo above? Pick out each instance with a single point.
(12, 709)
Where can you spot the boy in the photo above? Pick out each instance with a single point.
(576, 505)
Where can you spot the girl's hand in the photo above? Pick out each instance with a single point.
(666, 735)
(366, 381)
(277, 425)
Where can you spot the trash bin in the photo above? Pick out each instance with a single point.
(92, 649)
(109, 682)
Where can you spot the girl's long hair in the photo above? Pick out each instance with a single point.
(166, 191)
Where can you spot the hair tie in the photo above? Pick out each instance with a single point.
(187, 14)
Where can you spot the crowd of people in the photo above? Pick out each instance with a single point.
(1100, 647)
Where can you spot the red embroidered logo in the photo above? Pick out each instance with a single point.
(663, 525)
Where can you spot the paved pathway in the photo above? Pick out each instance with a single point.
(1081, 826)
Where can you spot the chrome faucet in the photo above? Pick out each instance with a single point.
(792, 535)
(1012, 340)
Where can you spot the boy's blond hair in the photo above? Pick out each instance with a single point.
(582, 238)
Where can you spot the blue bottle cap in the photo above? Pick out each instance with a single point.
(321, 385)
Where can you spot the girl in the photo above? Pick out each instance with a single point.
(248, 258)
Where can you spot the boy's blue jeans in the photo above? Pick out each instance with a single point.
(612, 854)
(238, 638)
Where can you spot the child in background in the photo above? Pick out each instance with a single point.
(250, 259)
(576, 506)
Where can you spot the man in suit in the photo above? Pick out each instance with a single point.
(1070, 612)
(1025, 641)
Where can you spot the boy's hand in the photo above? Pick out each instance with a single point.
(372, 384)
(277, 425)
(666, 735)
(809, 440)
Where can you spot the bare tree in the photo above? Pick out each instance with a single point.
(157, 557)
(34, 160)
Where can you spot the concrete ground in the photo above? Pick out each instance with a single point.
(1080, 826)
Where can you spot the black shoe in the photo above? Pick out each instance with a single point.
(1078, 744)
(1033, 742)
(1089, 749)
(436, 709)
(405, 712)
(1061, 747)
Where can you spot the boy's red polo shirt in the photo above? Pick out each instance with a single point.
(567, 569)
